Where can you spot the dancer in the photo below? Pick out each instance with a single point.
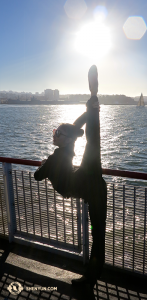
(87, 182)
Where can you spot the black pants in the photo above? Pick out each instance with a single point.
(92, 188)
(97, 211)
(87, 183)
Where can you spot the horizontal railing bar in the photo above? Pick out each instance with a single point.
(129, 174)
(118, 173)
(55, 250)
(20, 161)
(47, 241)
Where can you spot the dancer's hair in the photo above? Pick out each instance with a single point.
(72, 130)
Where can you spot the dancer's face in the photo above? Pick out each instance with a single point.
(60, 137)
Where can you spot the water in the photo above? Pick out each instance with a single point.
(26, 133)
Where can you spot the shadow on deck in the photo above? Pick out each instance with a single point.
(35, 268)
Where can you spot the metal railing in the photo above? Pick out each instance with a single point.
(34, 213)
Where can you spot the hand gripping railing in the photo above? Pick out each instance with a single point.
(126, 236)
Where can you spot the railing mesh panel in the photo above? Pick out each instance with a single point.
(126, 235)
(42, 212)
(3, 212)
(126, 228)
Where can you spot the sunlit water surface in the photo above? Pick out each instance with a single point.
(26, 133)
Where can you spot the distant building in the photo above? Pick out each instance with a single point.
(48, 93)
(3, 100)
(56, 95)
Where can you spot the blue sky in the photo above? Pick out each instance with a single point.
(37, 47)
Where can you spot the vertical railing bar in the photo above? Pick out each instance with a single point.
(55, 214)
(87, 235)
(2, 211)
(85, 232)
(134, 227)
(72, 220)
(32, 202)
(113, 224)
(64, 221)
(24, 202)
(144, 231)
(17, 201)
(39, 208)
(79, 222)
(47, 208)
(123, 223)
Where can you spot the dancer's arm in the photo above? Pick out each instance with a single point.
(79, 122)
(44, 170)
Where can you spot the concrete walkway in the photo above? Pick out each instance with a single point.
(34, 271)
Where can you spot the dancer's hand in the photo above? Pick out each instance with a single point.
(96, 105)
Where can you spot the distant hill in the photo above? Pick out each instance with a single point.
(103, 99)
(116, 100)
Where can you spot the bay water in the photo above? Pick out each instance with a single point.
(26, 133)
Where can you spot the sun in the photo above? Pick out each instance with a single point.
(93, 40)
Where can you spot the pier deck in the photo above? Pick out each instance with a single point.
(32, 267)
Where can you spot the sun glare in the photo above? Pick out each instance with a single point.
(93, 40)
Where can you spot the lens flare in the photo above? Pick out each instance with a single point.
(134, 28)
(75, 9)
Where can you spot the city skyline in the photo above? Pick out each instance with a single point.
(43, 93)
(45, 44)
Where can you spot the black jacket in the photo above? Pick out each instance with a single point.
(58, 169)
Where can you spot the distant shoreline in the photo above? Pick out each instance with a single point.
(64, 103)
(73, 99)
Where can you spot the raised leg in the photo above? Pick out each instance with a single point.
(94, 191)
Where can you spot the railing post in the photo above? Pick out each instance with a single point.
(9, 197)
(85, 232)
(79, 222)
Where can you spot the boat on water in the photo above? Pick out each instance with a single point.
(141, 101)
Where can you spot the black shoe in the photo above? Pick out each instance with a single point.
(83, 280)
(80, 281)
